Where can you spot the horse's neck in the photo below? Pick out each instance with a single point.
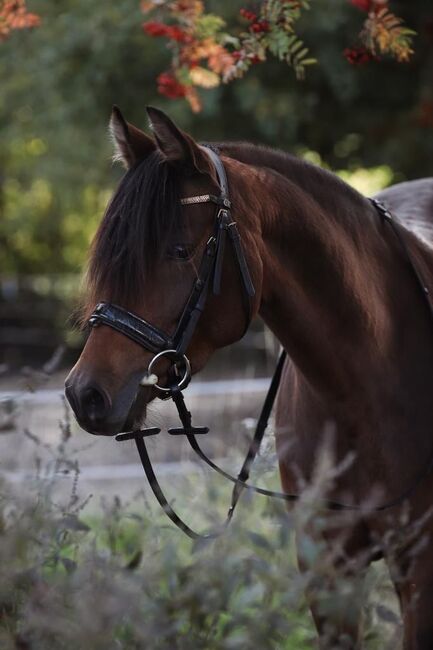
(340, 296)
(323, 288)
(338, 293)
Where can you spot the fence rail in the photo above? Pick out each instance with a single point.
(35, 319)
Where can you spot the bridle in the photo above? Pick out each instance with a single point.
(174, 348)
(208, 277)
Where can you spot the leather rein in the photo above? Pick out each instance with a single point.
(175, 347)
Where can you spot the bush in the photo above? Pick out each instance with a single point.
(120, 577)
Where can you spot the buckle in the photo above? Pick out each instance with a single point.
(177, 362)
(384, 212)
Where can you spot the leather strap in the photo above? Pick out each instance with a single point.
(159, 494)
(197, 300)
(220, 170)
(132, 326)
(399, 233)
(235, 238)
(223, 220)
(240, 481)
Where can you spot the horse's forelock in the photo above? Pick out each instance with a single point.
(133, 233)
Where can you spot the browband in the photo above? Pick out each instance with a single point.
(206, 198)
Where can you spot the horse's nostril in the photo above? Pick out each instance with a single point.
(95, 403)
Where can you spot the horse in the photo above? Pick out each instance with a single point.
(333, 284)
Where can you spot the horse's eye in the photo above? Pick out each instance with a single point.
(181, 251)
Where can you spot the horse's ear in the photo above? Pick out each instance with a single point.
(178, 147)
(130, 144)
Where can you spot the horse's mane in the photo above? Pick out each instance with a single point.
(145, 209)
(331, 191)
(133, 233)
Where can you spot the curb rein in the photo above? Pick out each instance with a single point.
(174, 348)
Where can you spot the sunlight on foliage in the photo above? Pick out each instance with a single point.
(365, 181)
(368, 181)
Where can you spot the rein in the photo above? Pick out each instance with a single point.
(175, 347)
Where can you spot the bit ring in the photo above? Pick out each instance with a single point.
(185, 362)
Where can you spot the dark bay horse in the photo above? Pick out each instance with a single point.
(332, 284)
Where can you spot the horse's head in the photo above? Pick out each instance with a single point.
(146, 257)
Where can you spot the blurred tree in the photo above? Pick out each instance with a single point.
(59, 81)
(204, 54)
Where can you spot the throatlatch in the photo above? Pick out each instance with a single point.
(175, 347)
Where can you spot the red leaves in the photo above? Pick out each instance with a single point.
(204, 54)
(369, 5)
(155, 29)
(364, 5)
(172, 32)
(257, 26)
(260, 26)
(177, 34)
(248, 15)
(14, 15)
(169, 86)
(358, 55)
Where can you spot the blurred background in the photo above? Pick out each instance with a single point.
(372, 124)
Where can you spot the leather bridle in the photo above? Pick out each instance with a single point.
(175, 347)
(209, 274)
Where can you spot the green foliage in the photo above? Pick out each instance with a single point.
(118, 577)
(59, 81)
(388, 35)
(209, 25)
(297, 56)
(58, 85)
(283, 42)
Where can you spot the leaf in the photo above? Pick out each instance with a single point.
(386, 33)
(71, 522)
(310, 61)
(279, 43)
(183, 76)
(193, 99)
(228, 39)
(147, 5)
(204, 78)
(208, 26)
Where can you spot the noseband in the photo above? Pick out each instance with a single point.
(174, 348)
